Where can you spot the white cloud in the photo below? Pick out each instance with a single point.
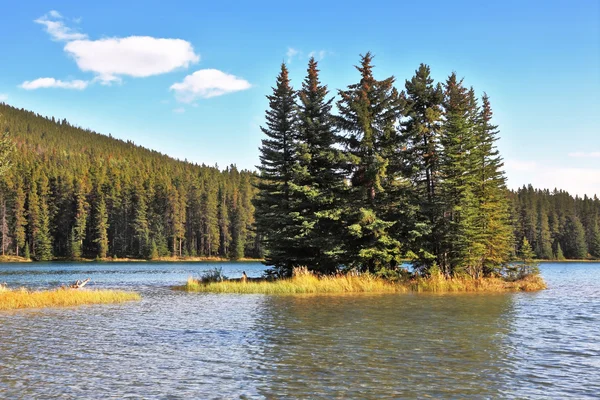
(43, 83)
(581, 154)
(291, 53)
(137, 56)
(207, 83)
(318, 55)
(542, 176)
(3, 97)
(57, 29)
(179, 110)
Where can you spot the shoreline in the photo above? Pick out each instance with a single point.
(308, 283)
(15, 259)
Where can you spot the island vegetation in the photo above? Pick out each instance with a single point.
(348, 194)
(11, 299)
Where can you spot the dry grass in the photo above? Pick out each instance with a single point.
(11, 299)
(307, 283)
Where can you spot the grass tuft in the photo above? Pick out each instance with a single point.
(304, 282)
(11, 299)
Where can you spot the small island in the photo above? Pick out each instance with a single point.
(11, 299)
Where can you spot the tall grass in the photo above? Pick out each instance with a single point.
(304, 282)
(11, 299)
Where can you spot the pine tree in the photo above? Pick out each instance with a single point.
(41, 222)
(140, 225)
(461, 251)
(544, 240)
(559, 253)
(595, 240)
(368, 115)
(101, 226)
(210, 219)
(81, 214)
(277, 159)
(421, 138)
(492, 221)
(20, 220)
(574, 244)
(224, 222)
(318, 180)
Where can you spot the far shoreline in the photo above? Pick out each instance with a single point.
(15, 259)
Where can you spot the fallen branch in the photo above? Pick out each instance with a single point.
(79, 284)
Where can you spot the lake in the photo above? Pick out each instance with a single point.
(194, 345)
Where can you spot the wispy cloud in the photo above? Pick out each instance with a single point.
(582, 154)
(3, 97)
(179, 110)
(291, 53)
(56, 28)
(45, 83)
(207, 83)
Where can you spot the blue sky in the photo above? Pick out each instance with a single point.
(200, 94)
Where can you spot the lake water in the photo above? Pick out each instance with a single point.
(192, 345)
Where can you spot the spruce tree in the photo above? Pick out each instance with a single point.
(492, 221)
(420, 136)
(574, 244)
(20, 220)
(368, 115)
(141, 228)
(81, 214)
(101, 225)
(318, 178)
(277, 159)
(460, 249)
(42, 239)
(595, 240)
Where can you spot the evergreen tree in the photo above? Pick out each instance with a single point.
(277, 159)
(421, 138)
(81, 214)
(368, 114)
(40, 223)
(574, 244)
(141, 228)
(544, 239)
(460, 248)
(595, 240)
(210, 219)
(492, 222)
(318, 180)
(101, 226)
(20, 220)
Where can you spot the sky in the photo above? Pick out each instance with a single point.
(189, 78)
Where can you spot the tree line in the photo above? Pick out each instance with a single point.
(72, 193)
(557, 225)
(384, 174)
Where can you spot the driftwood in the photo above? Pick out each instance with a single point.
(79, 284)
(244, 277)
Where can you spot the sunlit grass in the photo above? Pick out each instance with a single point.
(307, 283)
(11, 299)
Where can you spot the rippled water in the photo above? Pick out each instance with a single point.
(179, 345)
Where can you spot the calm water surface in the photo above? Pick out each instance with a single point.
(179, 345)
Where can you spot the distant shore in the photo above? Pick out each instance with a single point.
(15, 259)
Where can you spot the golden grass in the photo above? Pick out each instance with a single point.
(11, 299)
(13, 259)
(311, 284)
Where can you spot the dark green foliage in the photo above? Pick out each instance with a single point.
(317, 179)
(368, 116)
(567, 224)
(131, 180)
(277, 159)
(421, 156)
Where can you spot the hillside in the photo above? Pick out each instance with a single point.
(77, 193)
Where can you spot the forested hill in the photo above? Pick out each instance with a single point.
(72, 192)
(556, 224)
